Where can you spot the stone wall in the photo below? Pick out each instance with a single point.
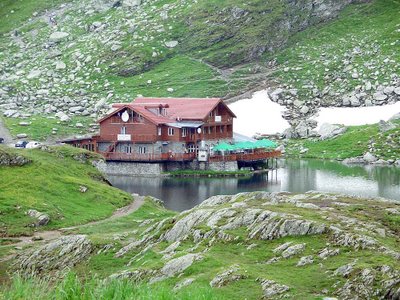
(154, 169)
(130, 168)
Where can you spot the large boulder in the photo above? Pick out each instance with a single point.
(58, 36)
(386, 126)
(131, 3)
(54, 257)
(328, 131)
(368, 157)
(41, 218)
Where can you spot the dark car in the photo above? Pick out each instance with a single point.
(21, 144)
(1, 140)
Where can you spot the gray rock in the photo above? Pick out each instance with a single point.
(56, 256)
(34, 74)
(386, 126)
(183, 283)
(22, 135)
(379, 96)
(326, 252)
(131, 3)
(226, 277)
(397, 91)
(368, 157)
(58, 36)
(12, 159)
(42, 218)
(354, 160)
(305, 260)
(328, 131)
(176, 266)
(60, 65)
(344, 270)
(270, 288)
(304, 110)
(293, 250)
(171, 44)
(63, 116)
(282, 247)
(24, 123)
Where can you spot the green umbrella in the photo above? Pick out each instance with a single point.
(223, 147)
(245, 145)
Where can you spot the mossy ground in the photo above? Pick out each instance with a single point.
(356, 141)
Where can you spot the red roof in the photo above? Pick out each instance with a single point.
(182, 108)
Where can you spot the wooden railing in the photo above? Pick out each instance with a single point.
(134, 138)
(148, 157)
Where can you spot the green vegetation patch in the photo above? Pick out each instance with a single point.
(51, 184)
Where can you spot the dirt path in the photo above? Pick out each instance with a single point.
(5, 134)
(45, 236)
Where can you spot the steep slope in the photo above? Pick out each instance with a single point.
(78, 56)
(59, 183)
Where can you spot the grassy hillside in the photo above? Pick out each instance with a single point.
(223, 48)
(51, 184)
(220, 234)
(356, 141)
(364, 40)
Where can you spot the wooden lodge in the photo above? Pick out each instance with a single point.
(168, 130)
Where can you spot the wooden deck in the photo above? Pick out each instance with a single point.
(164, 157)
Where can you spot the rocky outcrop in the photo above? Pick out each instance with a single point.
(41, 218)
(54, 257)
(328, 131)
(226, 277)
(271, 288)
(8, 158)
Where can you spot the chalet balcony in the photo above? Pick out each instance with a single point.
(146, 138)
(124, 137)
(148, 157)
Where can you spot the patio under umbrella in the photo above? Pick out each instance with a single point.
(223, 147)
(265, 143)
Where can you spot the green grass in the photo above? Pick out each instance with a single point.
(72, 287)
(354, 142)
(14, 12)
(50, 184)
(41, 127)
(317, 54)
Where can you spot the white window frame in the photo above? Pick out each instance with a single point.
(142, 150)
(123, 130)
(171, 131)
(159, 131)
(184, 132)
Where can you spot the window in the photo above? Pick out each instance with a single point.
(184, 132)
(171, 131)
(123, 130)
(191, 148)
(159, 130)
(128, 149)
(221, 129)
(142, 150)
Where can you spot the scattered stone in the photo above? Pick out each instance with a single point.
(176, 266)
(24, 123)
(131, 3)
(58, 36)
(34, 74)
(270, 288)
(368, 157)
(293, 250)
(55, 256)
(386, 126)
(171, 44)
(42, 218)
(326, 252)
(344, 270)
(305, 260)
(328, 131)
(60, 65)
(183, 283)
(170, 90)
(22, 135)
(83, 189)
(227, 277)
